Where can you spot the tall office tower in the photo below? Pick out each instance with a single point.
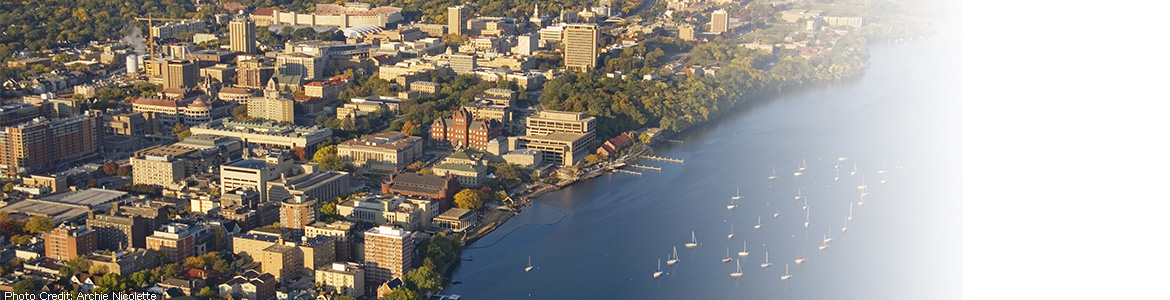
(456, 19)
(180, 74)
(686, 32)
(389, 253)
(719, 21)
(243, 35)
(580, 47)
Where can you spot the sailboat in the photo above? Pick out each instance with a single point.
(736, 197)
(766, 263)
(845, 227)
(883, 177)
(738, 270)
(786, 276)
(854, 172)
(693, 243)
(806, 215)
(798, 195)
(861, 186)
(725, 260)
(744, 252)
(773, 174)
(838, 176)
(673, 258)
(825, 245)
(776, 214)
(659, 272)
(732, 205)
(862, 201)
(803, 165)
(800, 260)
(529, 268)
(732, 234)
(827, 238)
(850, 217)
(805, 207)
(758, 222)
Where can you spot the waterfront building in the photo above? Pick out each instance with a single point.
(456, 219)
(550, 121)
(580, 47)
(67, 242)
(389, 253)
(438, 188)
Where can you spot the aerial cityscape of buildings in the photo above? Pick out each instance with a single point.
(238, 165)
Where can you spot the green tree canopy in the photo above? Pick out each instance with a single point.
(328, 159)
(470, 199)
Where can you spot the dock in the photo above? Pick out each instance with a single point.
(627, 172)
(674, 141)
(666, 159)
(646, 167)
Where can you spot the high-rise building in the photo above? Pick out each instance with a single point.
(456, 19)
(40, 144)
(68, 242)
(243, 35)
(175, 240)
(719, 21)
(580, 47)
(526, 44)
(389, 253)
(182, 74)
(686, 32)
(253, 73)
(307, 66)
(118, 231)
(271, 107)
(297, 212)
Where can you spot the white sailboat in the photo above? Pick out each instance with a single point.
(883, 177)
(736, 197)
(732, 205)
(805, 207)
(854, 172)
(773, 174)
(841, 159)
(744, 252)
(850, 217)
(806, 219)
(823, 246)
(861, 187)
(827, 238)
(798, 195)
(862, 201)
(800, 260)
(803, 165)
(659, 272)
(838, 176)
(693, 243)
(732, 234)
(758, 222)
(845, 227)
(725, 260)
(673, 258)
(776, 214)
(738, 270)
(529, 268)
(766, 263)
(786, 276)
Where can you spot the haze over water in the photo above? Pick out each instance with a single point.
(602, 238)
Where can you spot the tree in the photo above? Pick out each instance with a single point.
(222, 267)
(328, 159)
(91, 183)
(400, 293)
(8, 187)
(141, 278)
(207, 293)
(39, 224)
(329, 208)
(592, 158)
(645, 138)
(424, 279)
(110, 168)
(179, 127)
(112, 282)
(21, 239)
(415, 166)
(27, 285)
(73, 266)
(194, 263)
(470, 199)
(98, 269)
(123, 171)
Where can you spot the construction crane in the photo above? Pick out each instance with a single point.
(150, 32)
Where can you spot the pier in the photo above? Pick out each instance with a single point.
(673, 160)
(627, 172)
(674, 141)
(646, 167)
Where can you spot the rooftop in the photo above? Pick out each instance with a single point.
(88, 197)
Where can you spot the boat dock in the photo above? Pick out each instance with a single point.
(673, 160)
(675, 141)
(627, 172)
(446, 297)
(646, 167)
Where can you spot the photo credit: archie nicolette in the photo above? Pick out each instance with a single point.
(79, 296)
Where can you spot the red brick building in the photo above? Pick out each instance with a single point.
(69, 242)
(461, 130)
(440, 188)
